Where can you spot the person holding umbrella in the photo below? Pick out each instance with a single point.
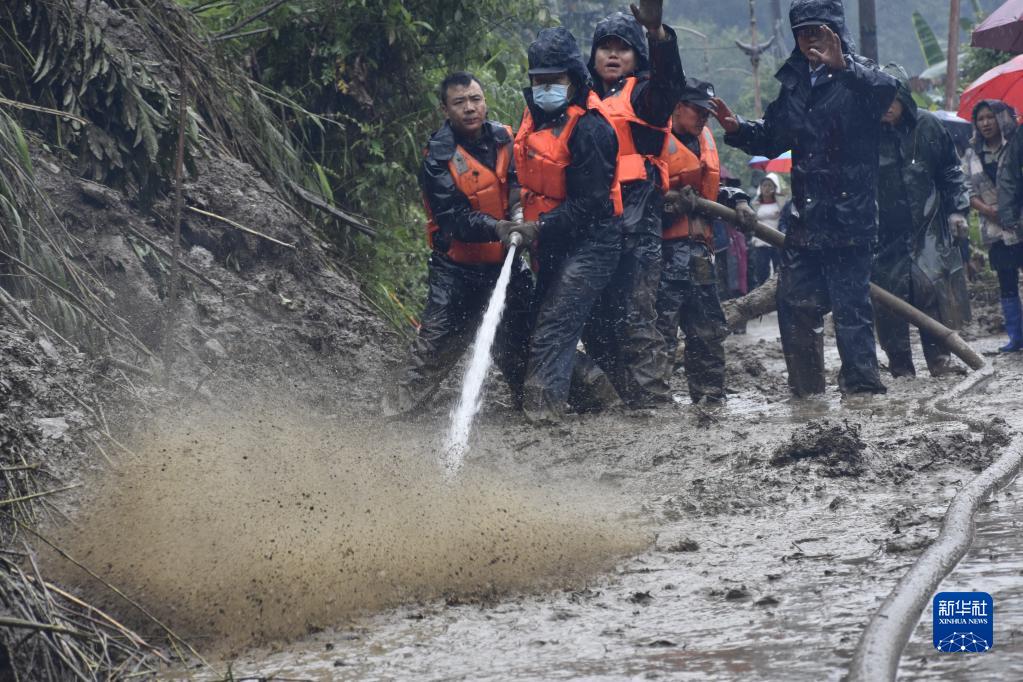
(828, 113)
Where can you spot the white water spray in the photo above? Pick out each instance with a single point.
(472, 384)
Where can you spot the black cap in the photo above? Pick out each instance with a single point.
(554, 51)
(809, 22)
(698, 94)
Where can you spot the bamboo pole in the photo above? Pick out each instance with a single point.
(949, 338)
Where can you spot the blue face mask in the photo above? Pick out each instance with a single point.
(550, 97)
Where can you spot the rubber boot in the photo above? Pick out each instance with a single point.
(939, 360)
(539, 408)
(901, 364)
(591, 389)
(1013, 324)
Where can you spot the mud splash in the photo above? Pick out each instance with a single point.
(247, 527)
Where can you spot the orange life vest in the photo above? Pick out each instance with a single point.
(487, 192)
(703, 174)
(631, 166)
(541, 157)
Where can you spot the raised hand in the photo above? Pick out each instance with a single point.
(725, 116)
(831, 52)
(649, 14)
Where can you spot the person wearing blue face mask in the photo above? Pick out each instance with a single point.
(565, 157)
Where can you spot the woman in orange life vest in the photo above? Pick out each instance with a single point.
(565, 156)
(470, 191)
(637, 72)
(688, 292)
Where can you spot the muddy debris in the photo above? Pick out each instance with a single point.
(737, 593)
(837, 447)
(640, 598)
(913, 541)
(684, 545)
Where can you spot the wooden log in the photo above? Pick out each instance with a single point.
(948, 338)
(760, 301)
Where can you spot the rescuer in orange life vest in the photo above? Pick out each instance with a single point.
(688, 292)
(637, 72)
(565, 155)
(470, 191)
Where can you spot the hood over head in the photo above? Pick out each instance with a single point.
(830, 12)
(902, 92)
(555, 50)
(779, 187)
(1004, 114)
(628, 29)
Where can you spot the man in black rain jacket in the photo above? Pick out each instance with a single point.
(469, 187)
(828, 113)
(923, 202)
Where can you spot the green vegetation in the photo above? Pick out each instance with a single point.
(367, 71)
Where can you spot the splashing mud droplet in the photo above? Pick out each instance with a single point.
(247, 527)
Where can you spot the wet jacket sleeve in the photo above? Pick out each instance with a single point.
(949, 176)
(514, 193)
(764, 137)
(875, 88)
(1010, 183)
(450, 207)
(588, 177)
(654, 98)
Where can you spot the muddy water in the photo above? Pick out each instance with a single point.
(249, 525)
(758, 571)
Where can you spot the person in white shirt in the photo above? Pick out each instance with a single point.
(768, 204)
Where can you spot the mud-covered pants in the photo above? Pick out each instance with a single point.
(810, 283)
(572, 273)
(621, 335)
(688, 296)
(892, 270)
(456, 301)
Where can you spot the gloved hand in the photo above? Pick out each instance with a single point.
(506, 228)
(959, 226)
(680, 201)
(746, 217)
(529, 232)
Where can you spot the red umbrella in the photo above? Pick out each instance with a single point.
(1004, 82)
(1003, 30)
(782, 164)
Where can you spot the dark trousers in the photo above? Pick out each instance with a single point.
(456, 301)
(892, 270)
(811, 283)
(760, 259)
(1006, 261)
(688, 297)
(621, 335)
(572, 275)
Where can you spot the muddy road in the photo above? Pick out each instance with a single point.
(768, 532)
